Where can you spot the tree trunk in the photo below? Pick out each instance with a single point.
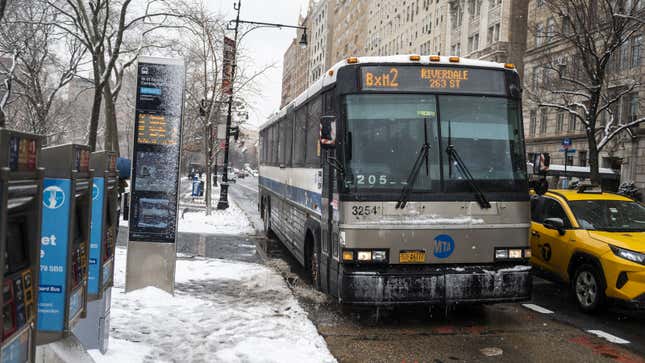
(207, 169)
(96, 104)
(593, 160)
(111, 130)
(3, 5)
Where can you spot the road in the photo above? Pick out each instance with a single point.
(548, 328)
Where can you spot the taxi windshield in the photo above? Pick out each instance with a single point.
(609, 215)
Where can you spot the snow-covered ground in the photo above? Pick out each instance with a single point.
(222, 311)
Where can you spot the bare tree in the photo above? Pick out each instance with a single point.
(3, 6)
(576, 76)
(101, 26)
(45, 61)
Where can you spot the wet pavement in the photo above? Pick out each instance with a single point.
(500, 333)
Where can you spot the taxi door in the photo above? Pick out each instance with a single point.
(551, 250)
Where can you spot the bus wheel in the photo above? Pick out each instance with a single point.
(314, 263)
(266, 219)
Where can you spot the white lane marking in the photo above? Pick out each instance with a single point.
(537, 308)
(611, 338)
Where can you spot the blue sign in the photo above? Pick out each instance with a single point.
(96, 236)
(53, 197)
(75, 303)
(53, 254)
(566, 142)
(444, 246)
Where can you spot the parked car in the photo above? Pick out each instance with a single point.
(593, 241)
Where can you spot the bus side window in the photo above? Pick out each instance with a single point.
(300, 133)
(313, 132)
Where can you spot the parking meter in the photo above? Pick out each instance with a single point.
(67, 202)
(21, 183)
(93, 331)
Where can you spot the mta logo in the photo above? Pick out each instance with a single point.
(444, 245)
(53, 197)
(95, 192)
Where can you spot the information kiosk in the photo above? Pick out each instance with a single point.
(67, 201)
(21, 183)
(93, 331)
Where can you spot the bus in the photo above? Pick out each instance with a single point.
(402, 180)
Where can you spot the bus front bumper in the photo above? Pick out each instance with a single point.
(436, 285)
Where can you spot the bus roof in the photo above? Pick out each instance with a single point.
(329, 77)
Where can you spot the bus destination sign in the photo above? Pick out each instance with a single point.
(433, 79)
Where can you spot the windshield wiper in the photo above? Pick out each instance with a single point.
(423, 154)
(463, 170)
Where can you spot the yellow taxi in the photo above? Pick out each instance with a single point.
(593, 241)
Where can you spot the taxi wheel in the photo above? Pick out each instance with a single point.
(588, 288)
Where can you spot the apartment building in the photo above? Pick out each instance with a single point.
(547, 58)
(350, 20)
(321, 32)
(295, 66)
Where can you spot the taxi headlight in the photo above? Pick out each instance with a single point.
(629, 255)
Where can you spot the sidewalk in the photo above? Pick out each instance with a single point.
(222, 311)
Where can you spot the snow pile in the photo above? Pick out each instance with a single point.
(222, 311)
(228, 221)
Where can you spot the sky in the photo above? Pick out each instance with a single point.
(265, 45)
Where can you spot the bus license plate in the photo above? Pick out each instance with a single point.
(412, 256)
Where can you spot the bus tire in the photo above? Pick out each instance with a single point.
(313, 259)
(266, 218)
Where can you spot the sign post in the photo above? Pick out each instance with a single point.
(155, 174)
(566, 146)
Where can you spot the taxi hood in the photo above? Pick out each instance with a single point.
(634, 241)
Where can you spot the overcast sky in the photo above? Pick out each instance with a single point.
(265, 45)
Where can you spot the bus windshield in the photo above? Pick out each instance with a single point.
(385, 133)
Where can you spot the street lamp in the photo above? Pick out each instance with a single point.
(223, 196)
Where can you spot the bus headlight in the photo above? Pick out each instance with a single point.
(348, 255)
(512, 253)
(379, 256)
(365, 256)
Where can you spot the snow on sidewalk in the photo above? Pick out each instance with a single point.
(222, 311)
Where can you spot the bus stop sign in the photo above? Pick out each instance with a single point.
(566, 143)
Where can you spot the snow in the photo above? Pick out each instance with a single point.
(222, 311)
(227, 221)
(121, 351)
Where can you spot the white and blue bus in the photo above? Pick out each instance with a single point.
(402, 179)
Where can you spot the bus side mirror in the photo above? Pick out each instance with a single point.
(328, 132)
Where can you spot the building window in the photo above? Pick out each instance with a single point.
(532, 122)
(624, 56)
(534, 77)
(566, 25)
(539, 3)
(489, 38)
(636, 49)
(559, 124)
(539, 34)
(569, 160)
(572, 122)
(632, 110)
(550, 30)
(582, 158)
(543, 120)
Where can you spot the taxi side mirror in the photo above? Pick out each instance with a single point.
(555, 223)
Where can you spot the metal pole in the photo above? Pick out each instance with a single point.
(223, 195)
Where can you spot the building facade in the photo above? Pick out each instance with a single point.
(547, 60)
(350, 18)
(295, 66)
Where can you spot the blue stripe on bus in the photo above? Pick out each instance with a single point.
(303, 197)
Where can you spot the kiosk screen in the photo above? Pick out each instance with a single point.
(16, 247)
